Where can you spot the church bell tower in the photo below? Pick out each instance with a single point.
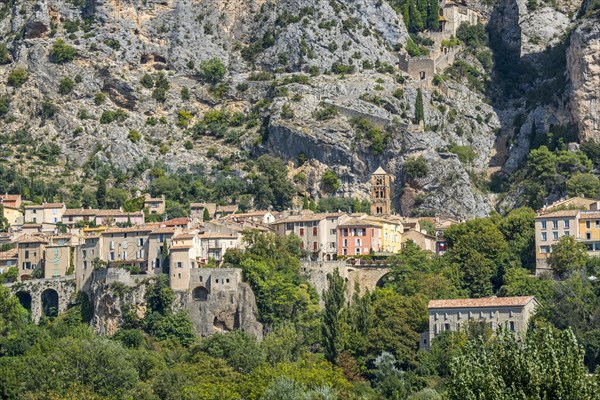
(381, 193)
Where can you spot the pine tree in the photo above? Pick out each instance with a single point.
(101, 193)
(419, 109)
(332, 323)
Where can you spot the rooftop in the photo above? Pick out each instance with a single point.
(130, 229)
(559, 214)
(518, 301)
(44, 205)
(379, 171)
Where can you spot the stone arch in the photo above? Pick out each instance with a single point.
(200, 293)
(382, 279)
(50, 302)
(25, 299)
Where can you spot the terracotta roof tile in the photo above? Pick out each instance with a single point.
(130, 229)
(559, 214)
(482, 302)
(45, 205)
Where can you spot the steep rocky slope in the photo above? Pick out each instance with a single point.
(345, 52)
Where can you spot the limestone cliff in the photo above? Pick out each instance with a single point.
(347, 52)
(113, 292)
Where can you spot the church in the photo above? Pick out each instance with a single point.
(381, 193)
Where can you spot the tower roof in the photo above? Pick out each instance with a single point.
(380, 171)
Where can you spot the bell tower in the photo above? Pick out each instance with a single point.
(381, 193)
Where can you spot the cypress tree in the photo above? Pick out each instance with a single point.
(332, 323)
(416, 19)
(419, 109)
(433, 14)
(406, 15)
(101, 193)
(206, 215)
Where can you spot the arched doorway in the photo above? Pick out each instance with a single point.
(24, 299)
(50, 302)
(200, 294)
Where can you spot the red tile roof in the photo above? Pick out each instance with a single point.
(517, 301)
(176, 221)
(45, 205)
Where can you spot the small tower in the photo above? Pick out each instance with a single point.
(381, 193)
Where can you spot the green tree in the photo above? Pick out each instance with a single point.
(206, 215)
(12, 315)
(541, 164)
(509, 368)
(567, 255)
(332, 326)
(433, 14)
(416, 167)
(330, 181)
(61, 52)
(419, 109)
(101, 193)
(212, 71)
(586, 185)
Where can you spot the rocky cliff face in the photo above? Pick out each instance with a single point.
(114, 292)
(584, 75)
(118, 43)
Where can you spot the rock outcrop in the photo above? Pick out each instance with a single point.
(583, 61)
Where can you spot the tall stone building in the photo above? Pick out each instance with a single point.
(381, 192)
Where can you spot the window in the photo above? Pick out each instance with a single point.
(161, 238)
(55, 252)
(597, 223)
(543, 224)
(345, 243)
(588, 236)
(357, 242)
(567, 224)
(140, 241)
(34, 220)
(54, 211)
(26, 253)
(567, 233)
(345, 252)
(55, 273)
(357, 250)
(301, 231)
(544, 236)
(289, 226)
(125, 235)
(555, 224)
(512, 326)
(315, 246)
(587, 224)
(179, 264)
(332, 231)
(34, 211)
(555, 235)
(544, 249)
(315, 231)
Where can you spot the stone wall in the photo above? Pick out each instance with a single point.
(223, 304)
(42, 295)
(414, 66)
(353, 113)
(367, 277)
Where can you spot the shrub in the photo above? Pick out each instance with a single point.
(134, 136)
(48, 109)
(62, 53)
(472, 36)
(340, 69)
(163, 149)
(184, 118)
(330, 181)
(109, 116)
(65, 86)
(113, 43)
(4, 54)
(287, 112)
(465, 153)
(185, 93)
(242, 87)
(4, 104)
(260, 76)
(99, 98)
(160, 94)
(147, 81)
(325, 113)
(188, 145)
(212, 71)
(17, 77)
(416, 167)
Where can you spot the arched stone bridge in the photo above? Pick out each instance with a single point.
(368, 277)
(45, 296)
